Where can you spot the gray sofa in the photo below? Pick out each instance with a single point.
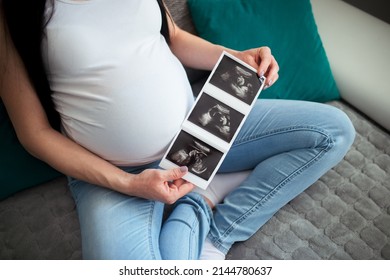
(344, 215)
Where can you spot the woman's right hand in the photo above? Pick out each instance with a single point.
(166, 186)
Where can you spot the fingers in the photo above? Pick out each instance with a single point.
(264, 58)
(268, 66)
(176, 173)
(177, 186)
(166, 186)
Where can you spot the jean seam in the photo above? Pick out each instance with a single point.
(330, 143)
(250, 138)
(206, 208)
(200, 207)
(150, 228)
(195, 223)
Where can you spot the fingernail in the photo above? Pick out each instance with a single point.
(261, 73)
(270, 83)
(183, 169)
(262, 79)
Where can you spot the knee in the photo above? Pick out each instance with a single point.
(343, 131)
(195, 201)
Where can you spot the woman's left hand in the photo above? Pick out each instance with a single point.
(263, 60)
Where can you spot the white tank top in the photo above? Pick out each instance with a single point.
(120, 91)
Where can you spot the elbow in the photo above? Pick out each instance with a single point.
(34, 142)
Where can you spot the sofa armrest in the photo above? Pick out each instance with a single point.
(358, 49)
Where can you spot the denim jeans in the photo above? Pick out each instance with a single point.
(288, 145)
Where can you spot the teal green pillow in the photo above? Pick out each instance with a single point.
(287, 27)
(18, 169)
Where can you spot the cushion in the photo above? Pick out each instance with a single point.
(18, 169)
(287, 27)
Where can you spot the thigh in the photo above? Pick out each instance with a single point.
(289, 145)
(116, 226)
(278, 126)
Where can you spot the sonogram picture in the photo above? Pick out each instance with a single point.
(214, 121)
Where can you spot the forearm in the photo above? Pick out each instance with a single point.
(198, 53)
(71, 159)
(194, 51)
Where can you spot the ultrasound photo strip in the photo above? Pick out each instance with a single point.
(214, 121)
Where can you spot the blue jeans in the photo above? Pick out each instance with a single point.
(288, 145)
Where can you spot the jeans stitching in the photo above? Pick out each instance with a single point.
(150, 227)
(202, 206)
(250, 138)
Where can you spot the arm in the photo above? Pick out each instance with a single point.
(197, 53)
(41, 140)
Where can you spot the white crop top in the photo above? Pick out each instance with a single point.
(120, 91)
